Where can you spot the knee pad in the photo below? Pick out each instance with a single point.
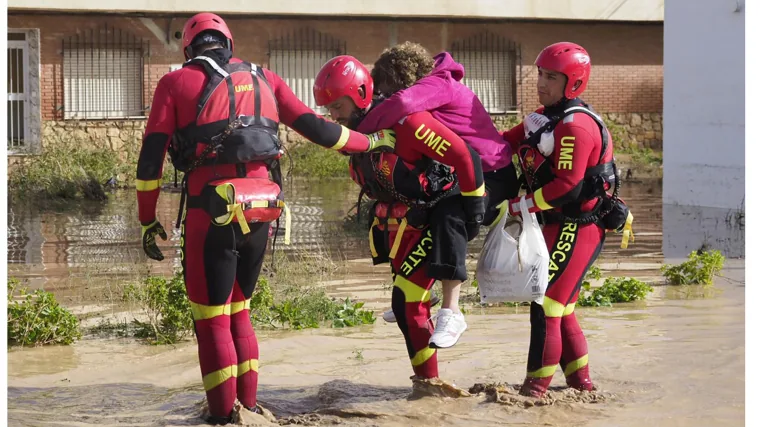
(216, 329)
(241, 326)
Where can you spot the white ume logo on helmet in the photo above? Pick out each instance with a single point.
(350, 67)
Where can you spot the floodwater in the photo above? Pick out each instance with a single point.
(676, 359)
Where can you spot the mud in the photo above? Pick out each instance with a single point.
(509, 394)
(676, 359)
(667, 361)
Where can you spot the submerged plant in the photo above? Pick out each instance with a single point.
(38, 319)
(614, 290)
(699, 269)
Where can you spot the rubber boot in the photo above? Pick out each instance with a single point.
(535, 387)
(580, 380)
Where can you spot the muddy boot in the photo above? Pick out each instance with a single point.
(424, 387)
(580, 380)
(535, 387)
(256, 415)
(213, 419)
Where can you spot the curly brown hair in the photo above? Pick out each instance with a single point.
(400, 66)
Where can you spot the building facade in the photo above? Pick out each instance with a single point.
(76, 65)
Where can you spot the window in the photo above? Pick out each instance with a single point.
(103, 75)
(24, 124)
(298, 57)
(490, 63)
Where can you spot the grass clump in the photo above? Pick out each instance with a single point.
(699, 269)
(38, 319)
(65, 172)
(614, 290)
(165, 303)
(294, 302)
(313, 161)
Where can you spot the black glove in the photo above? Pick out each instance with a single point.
(474, 210)
(149, 233)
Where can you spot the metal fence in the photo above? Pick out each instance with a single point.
(492, 64)
(297, 58)
(103, 74)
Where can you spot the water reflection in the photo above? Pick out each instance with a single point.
(104, 239)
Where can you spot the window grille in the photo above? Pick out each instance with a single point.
(297, 58)
(491, 65)
(103, 74)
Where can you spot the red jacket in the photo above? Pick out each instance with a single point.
(174, 107)
(577, 147)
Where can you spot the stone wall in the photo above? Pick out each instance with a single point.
(629, 130)
(634, 130)
(121, 136)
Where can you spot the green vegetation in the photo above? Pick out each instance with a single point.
(698, 269)
(165, 316)
(614, 290)
(72, 168)
(313, 161)
(38, 319)
(169, 318)
(65, 172)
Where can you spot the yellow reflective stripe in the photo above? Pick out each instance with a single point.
(538, 197)
(248, 365)
(568, 310)
(627, 231)
(238, 306)
(478, 192)
(344, 134)
(423, 356)
(412, 292)
(397, 240)
(201, 312)
(371, 239)
(287, 222)
(503, 208)
(147, 185)
(552, 308)
(575, 365)
(546, 371)
(217, 378)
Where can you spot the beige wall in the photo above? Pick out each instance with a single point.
(617, 10)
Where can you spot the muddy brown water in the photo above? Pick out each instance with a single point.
(676, 359)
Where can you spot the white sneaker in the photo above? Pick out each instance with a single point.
(389, 317)
(449, 326)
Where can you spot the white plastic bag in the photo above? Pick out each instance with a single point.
(514, 261)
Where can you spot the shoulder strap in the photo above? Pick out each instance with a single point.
(216, 75)
(259, 72)
(585, 110)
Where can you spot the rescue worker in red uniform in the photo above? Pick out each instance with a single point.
(218, 117)
(430, 163)
(566, 154)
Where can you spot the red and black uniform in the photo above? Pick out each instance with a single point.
(221, 264)
(401, 234)
(559, 189)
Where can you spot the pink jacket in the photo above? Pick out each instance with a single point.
(451, 103)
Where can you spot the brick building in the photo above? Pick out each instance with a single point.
(97, 70)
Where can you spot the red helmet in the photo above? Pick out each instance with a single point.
(203, 22)
(569, 59)
(343, 76)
